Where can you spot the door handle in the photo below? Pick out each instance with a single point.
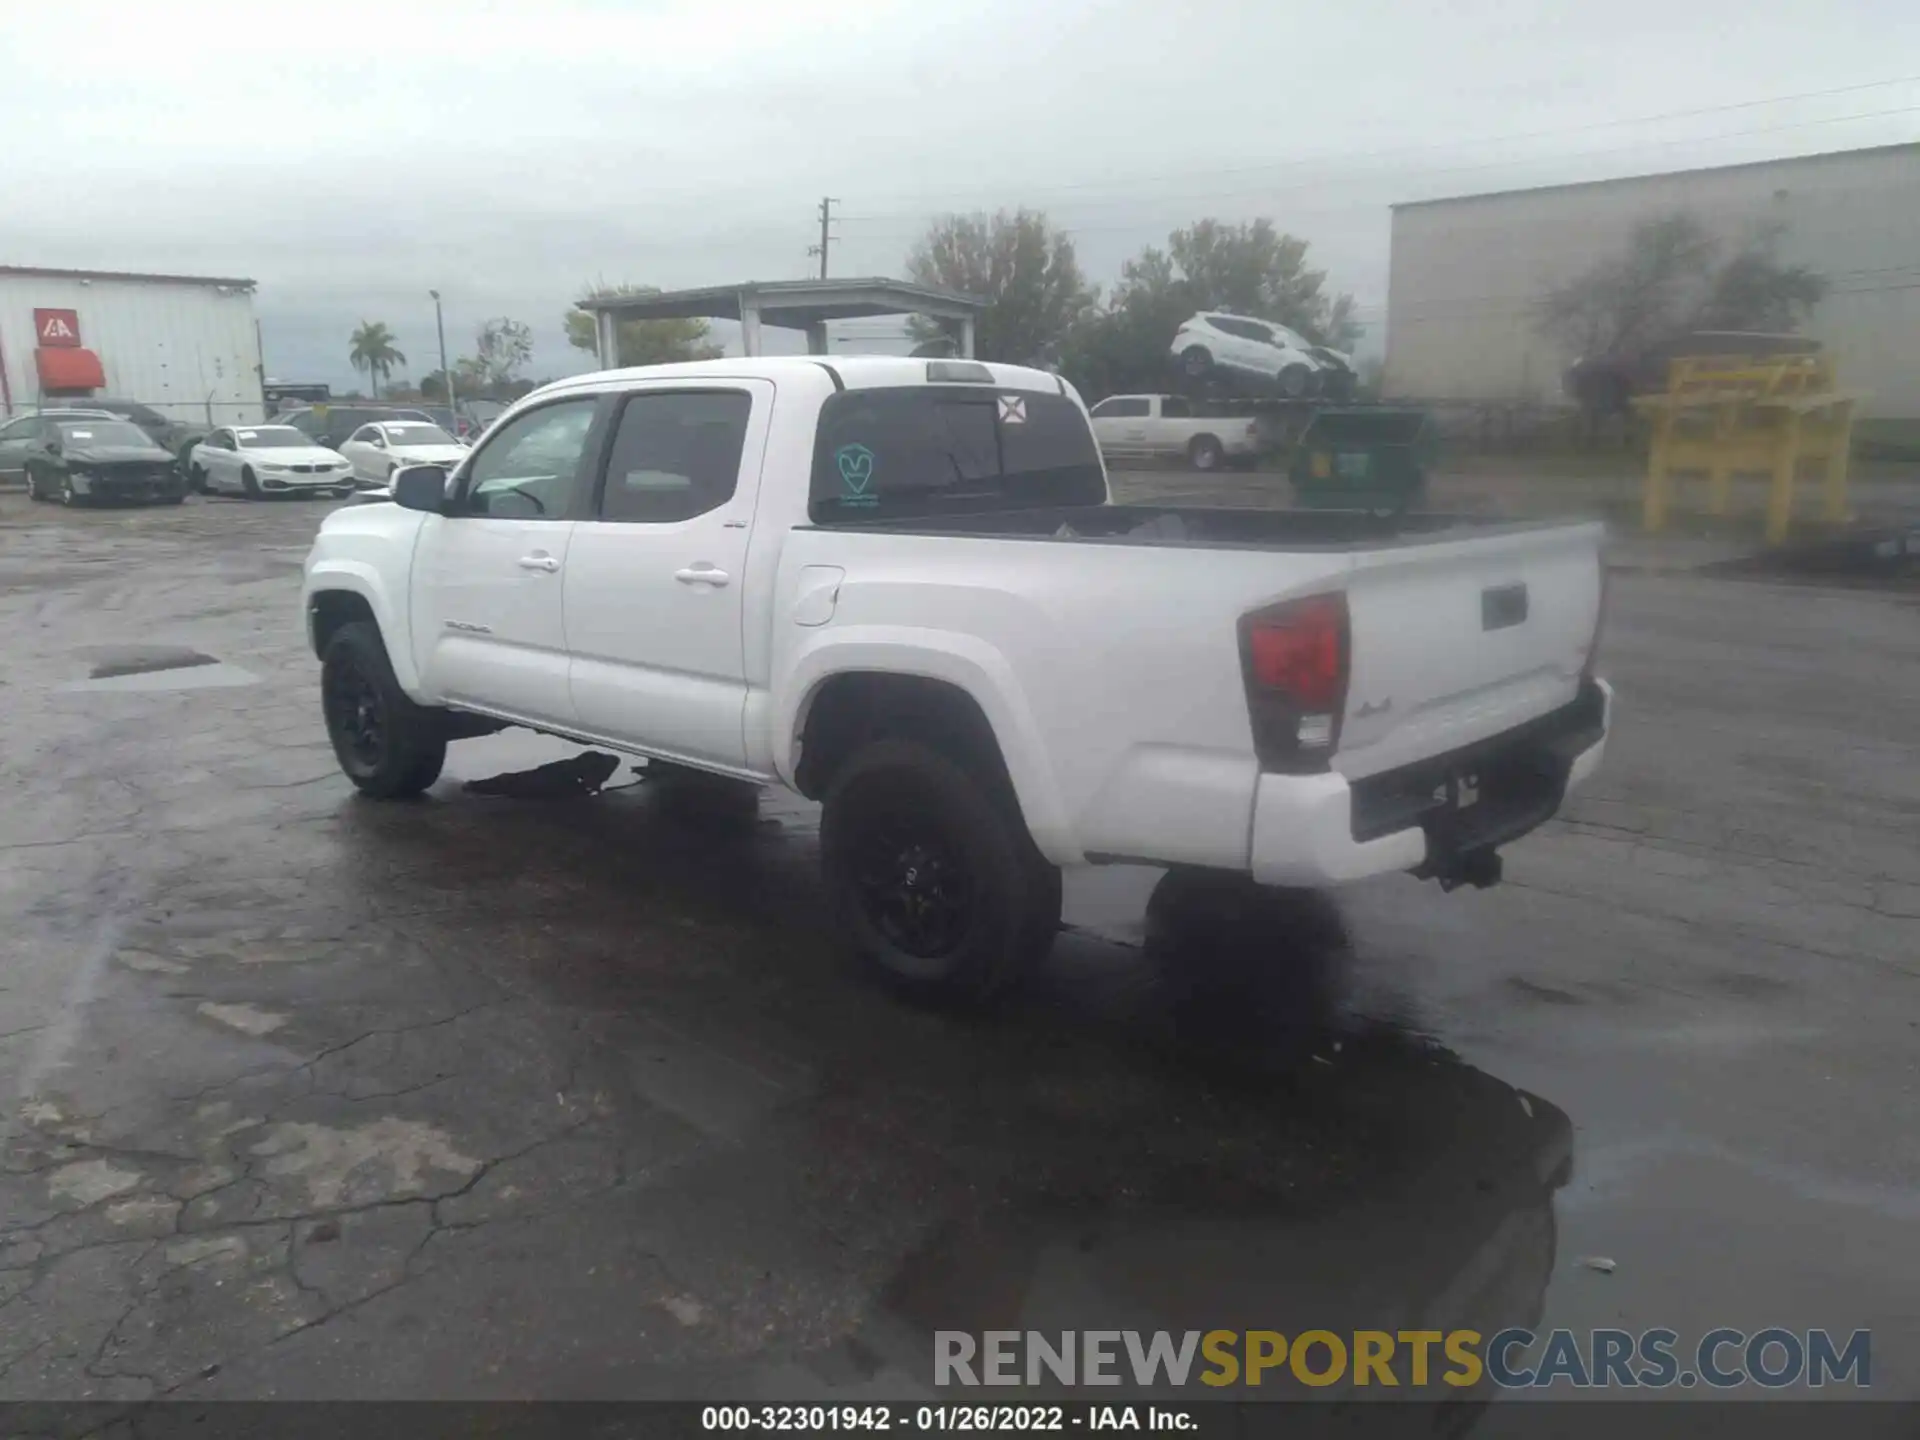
(539, 562)
(701, 575)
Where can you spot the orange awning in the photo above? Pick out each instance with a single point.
(69, 369)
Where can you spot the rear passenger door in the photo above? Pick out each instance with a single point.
(1168, 432)
(656, 570)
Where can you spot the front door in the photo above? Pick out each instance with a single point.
(655, 576)
(367, 449)
(220, 461)
(488, 575)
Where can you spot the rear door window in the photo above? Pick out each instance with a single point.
(676, 454)
(937, 450)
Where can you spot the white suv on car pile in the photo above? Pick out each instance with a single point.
(1263, 351)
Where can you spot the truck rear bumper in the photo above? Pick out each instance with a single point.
(1427, 816)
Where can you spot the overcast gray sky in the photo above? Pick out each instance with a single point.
(351, 156)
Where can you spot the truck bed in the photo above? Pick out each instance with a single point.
(1460, 629)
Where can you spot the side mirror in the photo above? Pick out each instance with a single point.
(420, 487)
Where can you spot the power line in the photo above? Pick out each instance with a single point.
(1371, 205)
(1341, 158)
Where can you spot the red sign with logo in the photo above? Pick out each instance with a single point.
(57, 329)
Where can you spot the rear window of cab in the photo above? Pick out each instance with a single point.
(940, 450)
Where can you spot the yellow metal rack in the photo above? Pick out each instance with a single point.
(1743, 414)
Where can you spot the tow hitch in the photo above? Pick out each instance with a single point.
(1481, 869)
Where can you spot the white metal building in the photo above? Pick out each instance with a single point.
(1467, 275)
(185, 345)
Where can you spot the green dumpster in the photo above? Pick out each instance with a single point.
(1364, 458)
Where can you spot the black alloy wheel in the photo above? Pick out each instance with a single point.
(931, 872)
(388, 746)
(914, 886)
(356, 715)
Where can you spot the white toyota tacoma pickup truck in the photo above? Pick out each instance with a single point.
(899, 586)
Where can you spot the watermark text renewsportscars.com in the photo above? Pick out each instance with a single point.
(1722, 1359)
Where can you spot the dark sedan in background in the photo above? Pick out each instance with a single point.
(76, 459)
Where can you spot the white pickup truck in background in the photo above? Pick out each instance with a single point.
(1164, 427)
(899, 586)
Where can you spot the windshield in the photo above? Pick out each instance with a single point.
(417, 435)
(271, 437)
(103, 432)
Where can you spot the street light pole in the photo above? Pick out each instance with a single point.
(446, 375)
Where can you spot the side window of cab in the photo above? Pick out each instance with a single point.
(528, 467)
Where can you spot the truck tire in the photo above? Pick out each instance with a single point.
(932, 875)
(1205, 453)
(387, 746)
(1295, 380)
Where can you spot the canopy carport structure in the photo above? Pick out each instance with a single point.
(789, 304)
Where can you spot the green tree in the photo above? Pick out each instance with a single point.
(643, 342)
(1250, 269)
(1026, 271)
(371, 349)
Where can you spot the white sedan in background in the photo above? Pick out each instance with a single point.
(376, 451)
(266, 460)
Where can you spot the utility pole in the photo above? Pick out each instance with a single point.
(260, 365)
(446, 375)
(827, 202)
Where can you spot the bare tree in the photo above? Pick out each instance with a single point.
(501, 348)
(1674, 277)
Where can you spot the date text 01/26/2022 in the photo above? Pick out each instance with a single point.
(950, 1418)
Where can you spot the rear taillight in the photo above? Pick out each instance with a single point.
(1294, 658)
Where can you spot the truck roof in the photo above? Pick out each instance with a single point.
(855, 372)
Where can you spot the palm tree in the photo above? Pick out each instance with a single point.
(372, 350)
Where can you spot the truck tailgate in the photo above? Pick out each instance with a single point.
(1456, 640)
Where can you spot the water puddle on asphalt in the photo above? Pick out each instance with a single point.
(1268, 1157)
(157, 667)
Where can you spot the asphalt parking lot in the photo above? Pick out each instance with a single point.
(541, 1098)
